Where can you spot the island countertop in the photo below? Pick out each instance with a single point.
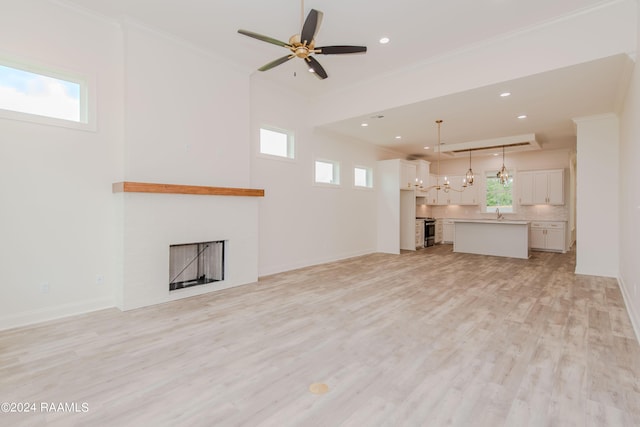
(494, 221)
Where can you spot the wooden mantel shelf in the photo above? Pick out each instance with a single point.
(145, 187)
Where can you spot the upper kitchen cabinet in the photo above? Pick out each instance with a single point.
(469, 196)
(408, 174)
(432, 194)
(543, 187)
(422, 172)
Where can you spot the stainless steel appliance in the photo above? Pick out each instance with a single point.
(429, 231)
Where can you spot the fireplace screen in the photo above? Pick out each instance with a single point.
(195, 264)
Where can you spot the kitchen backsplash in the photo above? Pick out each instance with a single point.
(532, 213)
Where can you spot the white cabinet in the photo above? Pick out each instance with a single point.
(544, 187)
(555, 187)
(548, 236)
(438, 231)
(448, 230)
(407, 175)
(469, 196)
(432, 194)
(422, 172)
(419, 233)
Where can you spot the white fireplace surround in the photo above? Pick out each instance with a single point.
(149, 223)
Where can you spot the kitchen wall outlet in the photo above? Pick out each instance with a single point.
(44, 287)
(99, 279)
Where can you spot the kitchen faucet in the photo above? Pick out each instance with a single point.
(500, 216)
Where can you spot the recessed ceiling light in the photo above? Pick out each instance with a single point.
(505, 94)
(384, 40)
(398, 137)
(364, 125)
(426, 148)
(522, 116)
(495, 154)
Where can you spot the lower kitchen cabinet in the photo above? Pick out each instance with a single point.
(447, 231)
(548, 236)
(419, 234)
(438, 231)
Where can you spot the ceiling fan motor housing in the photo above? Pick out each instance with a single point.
(303, 46)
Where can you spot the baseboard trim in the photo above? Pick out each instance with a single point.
(633, 315)
(53, 313)
(288, 267)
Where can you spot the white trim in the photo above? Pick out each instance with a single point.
(370, 175)
(88, 102)
(291, 147)
(337, 173)
(52, 313)
(314, 261)
(633, 315)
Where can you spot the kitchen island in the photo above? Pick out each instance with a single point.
(492, 237)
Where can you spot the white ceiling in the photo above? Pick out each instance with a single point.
(418, 30)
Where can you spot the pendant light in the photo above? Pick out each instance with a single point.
(446, 186)
(469, 177)
(503, 175)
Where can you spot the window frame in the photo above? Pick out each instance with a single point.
(87, 99)
(336, 181)
(290, 143)
(369, 177)
(491, 174)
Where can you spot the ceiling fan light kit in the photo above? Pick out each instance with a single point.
(303, 46)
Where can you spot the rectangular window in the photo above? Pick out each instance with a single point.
(29, 92)
(498, 196)
(362, 177)
(276, 143)
(327, 172)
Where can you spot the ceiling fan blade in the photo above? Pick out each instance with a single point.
(263, 38)
(333, 50)
(275, 63)
(311, 26)
(316, 67)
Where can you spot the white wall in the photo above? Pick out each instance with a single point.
(186, 113)
(56, 214)
(167, 112)
(186, 122)
(598, 198)
(301, 223)
(629, 226)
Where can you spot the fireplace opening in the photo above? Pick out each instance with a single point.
(194, 264)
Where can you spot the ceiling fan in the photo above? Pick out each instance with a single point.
(303, 45)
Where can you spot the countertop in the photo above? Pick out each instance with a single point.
(494, 221)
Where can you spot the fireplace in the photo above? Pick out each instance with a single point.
(194, 264)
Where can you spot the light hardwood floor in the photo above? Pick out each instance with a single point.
(428, 338)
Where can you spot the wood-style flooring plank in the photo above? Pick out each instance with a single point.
(424, 338)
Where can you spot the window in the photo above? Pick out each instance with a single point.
(362, 177)
(327, 172)
(498, 196)
(276, 143)
(30, 93)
